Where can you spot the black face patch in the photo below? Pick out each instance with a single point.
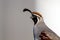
(34, 18)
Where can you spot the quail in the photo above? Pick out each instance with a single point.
(40, 29)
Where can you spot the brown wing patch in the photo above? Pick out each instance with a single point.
(45, 36)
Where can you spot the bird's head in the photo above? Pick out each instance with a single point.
(36, 17)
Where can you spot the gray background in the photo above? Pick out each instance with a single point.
(14, 24)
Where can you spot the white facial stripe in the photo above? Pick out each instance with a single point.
(37, 15)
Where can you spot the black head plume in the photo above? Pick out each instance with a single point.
(26, 10)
